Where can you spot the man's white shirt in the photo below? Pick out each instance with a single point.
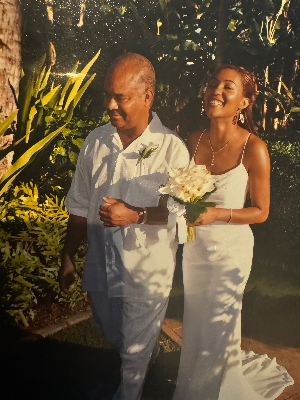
(134, 261)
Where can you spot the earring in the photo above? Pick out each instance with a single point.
(236, 117)
(242, 118)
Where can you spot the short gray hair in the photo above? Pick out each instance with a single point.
(143, 67)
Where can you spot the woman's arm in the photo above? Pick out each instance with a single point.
(257, 161)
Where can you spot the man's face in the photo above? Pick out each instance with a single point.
(125, 99)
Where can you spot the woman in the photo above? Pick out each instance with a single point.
(217, 265)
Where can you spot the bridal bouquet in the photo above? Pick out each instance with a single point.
(191, 186)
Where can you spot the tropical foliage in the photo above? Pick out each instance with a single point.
(43, 114)
(31, 239)
(184, 40)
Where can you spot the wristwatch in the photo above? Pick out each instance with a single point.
(142, 216)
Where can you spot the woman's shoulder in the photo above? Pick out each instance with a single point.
(256, 144)
(194, 138)
(256, 150)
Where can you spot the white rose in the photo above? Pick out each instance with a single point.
(176, 190)
(188, 183)
(207, 187)
(185, 196)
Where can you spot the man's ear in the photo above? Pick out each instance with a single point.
(244, 103)
(149, 96)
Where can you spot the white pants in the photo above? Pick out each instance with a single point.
(132, 327)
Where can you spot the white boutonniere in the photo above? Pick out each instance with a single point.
(147, 152)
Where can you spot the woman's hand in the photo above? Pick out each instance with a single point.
(206, 218)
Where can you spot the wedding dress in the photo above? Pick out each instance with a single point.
(216, 267)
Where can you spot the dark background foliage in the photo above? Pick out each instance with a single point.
(185, 40)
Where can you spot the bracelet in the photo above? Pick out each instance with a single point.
(230, 216)
(142, 216)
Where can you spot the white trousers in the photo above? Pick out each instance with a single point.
(132, 327)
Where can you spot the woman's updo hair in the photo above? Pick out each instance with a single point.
(249, 91)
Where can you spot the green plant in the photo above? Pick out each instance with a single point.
(57, 169)
(285, 106)
(277, 240)
(31, 239)
(39, 107)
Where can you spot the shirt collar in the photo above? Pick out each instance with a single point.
(155, 126)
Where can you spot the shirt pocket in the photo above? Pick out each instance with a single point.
(143, 190)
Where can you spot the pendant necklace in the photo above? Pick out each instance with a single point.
(217, 151)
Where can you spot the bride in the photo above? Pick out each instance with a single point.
(217, 264)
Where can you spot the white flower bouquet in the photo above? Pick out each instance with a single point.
(191, 187)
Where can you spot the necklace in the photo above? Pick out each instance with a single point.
(217, 151)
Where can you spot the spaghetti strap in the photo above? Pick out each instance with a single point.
(198, 144)
(245, 147)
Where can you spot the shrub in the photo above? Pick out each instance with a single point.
(277, 240)
(31, 239)
(44, 111)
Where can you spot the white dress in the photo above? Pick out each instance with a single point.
(216, 267)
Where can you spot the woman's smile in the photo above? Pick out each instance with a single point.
(216, 102)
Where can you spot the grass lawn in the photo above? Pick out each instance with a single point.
(87, 334)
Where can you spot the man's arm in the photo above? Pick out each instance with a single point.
(115, 212)
(76, 232)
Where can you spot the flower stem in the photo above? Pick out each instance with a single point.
(191, 234)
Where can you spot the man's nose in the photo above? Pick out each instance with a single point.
(110, 103)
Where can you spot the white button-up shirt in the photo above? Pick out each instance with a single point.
(136, 260)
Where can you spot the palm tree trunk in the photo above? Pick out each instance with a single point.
(10, 68)
(10, 55)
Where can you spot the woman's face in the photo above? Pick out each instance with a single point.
(224, 95)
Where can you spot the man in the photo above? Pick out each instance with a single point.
(131, 252)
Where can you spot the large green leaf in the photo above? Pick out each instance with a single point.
(45, 99)
(82, 90)
(70, 81)
(25, 95)
(25, 159)
(4, 125)
(79, 80)
(37, 85)
(53, 103)
(31, 115)
(69, 113)
(45, 81)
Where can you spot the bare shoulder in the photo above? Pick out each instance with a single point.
(256, 145)
(193, 140)
(256, 152)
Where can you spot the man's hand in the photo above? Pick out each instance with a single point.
(115, 212)
(66, 274)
